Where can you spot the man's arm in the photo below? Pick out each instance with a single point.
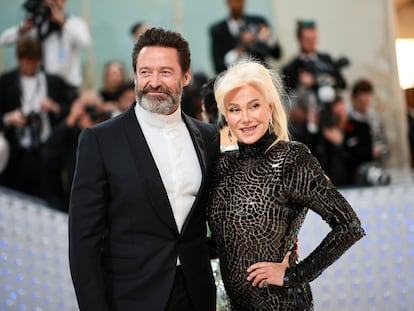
(87, 223)
(78, 30)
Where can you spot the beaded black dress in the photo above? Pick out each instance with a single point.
(258, 202)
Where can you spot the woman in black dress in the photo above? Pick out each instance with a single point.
(261, 194)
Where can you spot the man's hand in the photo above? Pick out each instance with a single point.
(334, 135)
(49, 105)
(15, 118)
(57, 11)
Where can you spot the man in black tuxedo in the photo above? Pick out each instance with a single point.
(137, 218)
(240, 36)
(32, 103)
(314, 77)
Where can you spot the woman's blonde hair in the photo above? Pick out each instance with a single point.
(252, 72)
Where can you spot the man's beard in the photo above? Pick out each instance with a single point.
(159, 104)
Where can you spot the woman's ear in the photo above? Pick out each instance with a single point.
(271, 107)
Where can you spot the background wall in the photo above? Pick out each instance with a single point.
(363, 31)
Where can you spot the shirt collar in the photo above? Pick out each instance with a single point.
(308, 57)
(358, 115)
(156, 119)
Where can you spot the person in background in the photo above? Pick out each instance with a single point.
(137, 218)
(32, 103)
(137, 29)
(125, 98)
(241, 36)
(362, 97)
(313, 77)
(114, 75)
(227, 141)
(85, 111)
(192, 103)
(370, 149)
(336, 147)
(260, 196)
(62, 36)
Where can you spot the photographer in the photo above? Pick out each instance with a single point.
(62, 37)
(345, 149)
(85, 111)
(240, 36)
(362, 97)
(31, 104)
(312, 74)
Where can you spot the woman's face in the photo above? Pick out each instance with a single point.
(114, 75)
(248, 113)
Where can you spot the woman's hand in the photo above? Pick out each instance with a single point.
(263, 274)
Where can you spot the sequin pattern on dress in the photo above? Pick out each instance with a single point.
(257, 204)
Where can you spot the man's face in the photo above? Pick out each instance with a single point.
(308, 40)
(236, 7)
(362, 101)
(28, 67)
(159, 79)
(340, 111)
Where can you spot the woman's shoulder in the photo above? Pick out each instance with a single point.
(228, 155)
(227, 160)
(289, 148)
(289, 154)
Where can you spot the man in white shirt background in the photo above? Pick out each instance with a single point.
(62, 35)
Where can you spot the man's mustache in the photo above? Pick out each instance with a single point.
(161, 89)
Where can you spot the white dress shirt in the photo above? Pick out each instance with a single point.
(173, 151)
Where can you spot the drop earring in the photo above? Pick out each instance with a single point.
(270, 126)
(230, 136)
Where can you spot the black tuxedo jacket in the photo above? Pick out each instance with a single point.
(223, 41)
(124, 241)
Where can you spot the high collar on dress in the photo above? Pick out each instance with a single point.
(258, 148)
(159, 120)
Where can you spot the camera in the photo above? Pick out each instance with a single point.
(324, 75)
(327, 117)
(37, 11)
(371, 175)
(33, 128)
(94, 114)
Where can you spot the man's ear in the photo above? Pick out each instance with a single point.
(187, 78)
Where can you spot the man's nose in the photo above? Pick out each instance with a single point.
(155, 80)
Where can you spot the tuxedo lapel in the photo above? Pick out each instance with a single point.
(147, 169)
(197, 141)
(202, 158)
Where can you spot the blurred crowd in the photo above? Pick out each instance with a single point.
(43, 106)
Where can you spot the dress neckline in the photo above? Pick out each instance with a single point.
(258, 148)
